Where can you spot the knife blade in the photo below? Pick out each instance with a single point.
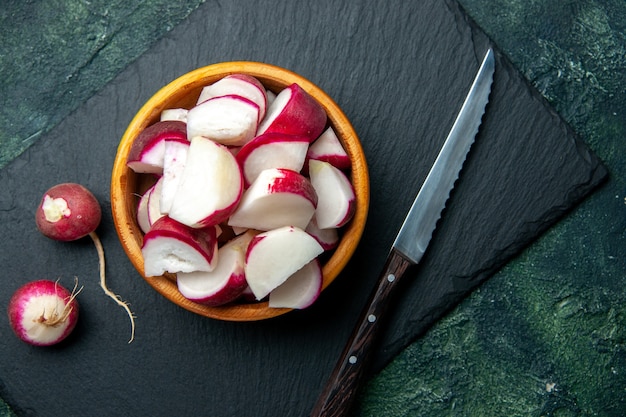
(409, 246)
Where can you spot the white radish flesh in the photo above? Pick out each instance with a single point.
(230, 120)
(174, 114)
(336, 198)
(272, 150)
(174, 160)
(210, 187)
(154, 202)
(143, 218)
(275, 255)
(328, 238)
(278, 197)
(172, 247)
(237, 84)
(299, 290)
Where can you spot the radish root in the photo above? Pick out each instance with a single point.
(55, 319)
(107, 291)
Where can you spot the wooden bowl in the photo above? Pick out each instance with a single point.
(127, 186)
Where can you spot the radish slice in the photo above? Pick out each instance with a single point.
(210, 187)
(143, 218)
(272, 150)
(328, 148)
(294, 112)
(154, 202)
(174, 160)
(237, 84)
(172, 247)
(336, 198)
(146, 152)
(278, 197)
(225, 283)
(275, 255)
(328, 238)
(174, 114)
(230, 120)
(300, 290)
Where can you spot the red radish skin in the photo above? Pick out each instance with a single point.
(294, 112)
(43, 313)
(272, 150)
(146, 153)
(68, 212)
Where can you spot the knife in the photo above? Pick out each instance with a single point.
(409, 246)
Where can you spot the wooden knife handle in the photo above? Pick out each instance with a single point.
(340, 391)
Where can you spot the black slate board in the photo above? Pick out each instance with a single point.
(400, 71)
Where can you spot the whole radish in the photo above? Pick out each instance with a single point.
(43, 313)
(69, 212)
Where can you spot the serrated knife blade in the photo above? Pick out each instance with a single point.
(409, 246)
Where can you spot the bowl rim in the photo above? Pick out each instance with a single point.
(273, 78)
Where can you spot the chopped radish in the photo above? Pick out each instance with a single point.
(148, 209)
(154, 202)
(336, 198)
(174, 160)
(328, 148)
(210, 186)
(328, 238)
(146, 152)
(237, 84)
(143, 217)
(229, 120)
(247, 296)
(250, 162)
(174, 114)
(43, 313)
(275, 255)
(299, 290)
(223, 284)
(294, 112)
(278, 197)
(271, 96)
(69, 212)
(272, 150)
(172, 247)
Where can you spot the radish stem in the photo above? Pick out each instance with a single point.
(117, 298)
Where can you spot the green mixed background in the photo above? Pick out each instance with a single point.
(546, 336)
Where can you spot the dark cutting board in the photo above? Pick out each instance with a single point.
(400, 71)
